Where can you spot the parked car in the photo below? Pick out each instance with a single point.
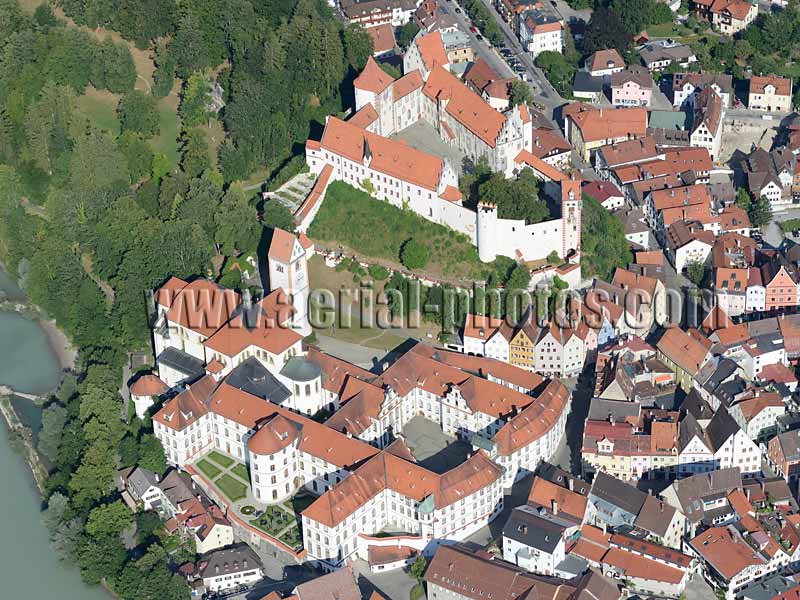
(458, 10)
(506, 52)
(473, 29)
(479, 37)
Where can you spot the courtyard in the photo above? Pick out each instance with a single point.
(423, 136)
(230, 479)
(432, 448)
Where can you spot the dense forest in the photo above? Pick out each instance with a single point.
(98, 205)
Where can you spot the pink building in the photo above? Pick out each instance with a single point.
(632, 87)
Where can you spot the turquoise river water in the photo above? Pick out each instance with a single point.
(29, 568)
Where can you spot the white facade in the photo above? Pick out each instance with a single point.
(756, 299)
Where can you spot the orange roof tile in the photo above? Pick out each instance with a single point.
(202, 306)
(682, 349)
(464, 105)
(373, 78)
(431, 48)
(544, 492)
(382, 37)
(606, 124)
(390, 157)
(148, 385)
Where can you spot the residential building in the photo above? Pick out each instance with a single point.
(783, 454)
(683, 353)
(604, 62)
(228, 568)
(590, 128)
(770, 174)
(770, 93)
(606, 193)
(686, 87)
(587, 87)
(727, 16)
(535, 543)
(540, 31)
(706, 129)
(730, 290)
(780, 284)
(487, 336)
(383, 41)
(631, 87)
(688, 243)
(657, 56)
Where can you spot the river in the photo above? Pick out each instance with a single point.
(28, 566)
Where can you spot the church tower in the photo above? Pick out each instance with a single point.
(288, 270)
(571, 206)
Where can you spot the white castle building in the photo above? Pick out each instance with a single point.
(257, 387)
(361, 153)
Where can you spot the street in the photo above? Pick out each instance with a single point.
(543, 92)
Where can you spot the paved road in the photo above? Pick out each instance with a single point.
(543, 92)
(570, 15)
(772, 232)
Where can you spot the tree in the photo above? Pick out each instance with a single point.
(238, 229)
(151, 454)
(112, 67)
(195, 99)
(138, 112)
(414, 255)
(553, 258)
(418, 567)
(760, 212)
(519, 279)
(277, 216)
(46, 125)
(606, 30)
(194, 152)
(696, 272)
(109, 520)
(520, 93)
(603, 243)
(138, 155)
(164, 75)
(743, 199)
(406, 34)
(515, 198)
(558, 71)
(54, 418)
(357, 45)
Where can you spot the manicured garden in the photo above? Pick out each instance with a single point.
(240, 470)
(232, 488)
(221, 459)
(208, 469)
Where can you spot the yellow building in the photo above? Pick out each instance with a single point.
(522, 347)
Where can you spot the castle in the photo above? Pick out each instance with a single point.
(360, 152)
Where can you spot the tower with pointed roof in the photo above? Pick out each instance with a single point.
(288, 270)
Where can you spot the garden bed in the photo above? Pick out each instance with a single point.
(232, 488)
(208, 469)
(240, 471)
(221, 459)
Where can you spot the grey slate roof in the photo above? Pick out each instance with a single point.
(301, 370)
(618, 493)
(584, 82)
(528, 528)
(252, 377)
(655, 516)
(695, 405)
(236, 559)
(692, 490)
(182, 362)
(140, 480)
(601, 410)
(721, 428)
(688, 429)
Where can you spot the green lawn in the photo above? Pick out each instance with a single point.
(101, 108)
(377, 229)
(232, 488)
(166, 142)
(222, 460)
(208, 469)
(240, 471)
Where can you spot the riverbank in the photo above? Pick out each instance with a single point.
(24, 437)
(62, 347)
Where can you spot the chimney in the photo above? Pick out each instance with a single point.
(554, 506)
(571, 483)
(605, 527)
(747, 493)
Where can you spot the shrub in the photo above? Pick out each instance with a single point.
(378, 272)
(414, 255)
